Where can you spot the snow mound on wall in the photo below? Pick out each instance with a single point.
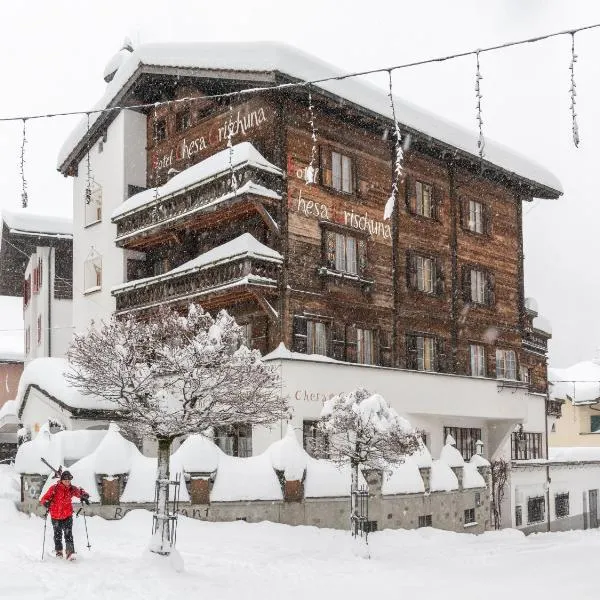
(472, 477)
(451, 456)
(479, 461)
(422, 457)
(197, 454)
(114, 453)
(442, 478)
(403, 479)
(288, 456)
(251, 478)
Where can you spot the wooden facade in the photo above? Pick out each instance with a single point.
(417, 291)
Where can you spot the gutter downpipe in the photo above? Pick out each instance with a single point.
(548, 480)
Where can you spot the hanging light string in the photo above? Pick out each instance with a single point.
(573, 92)
(478, 97)
(310, 175)
(233, 180)
(298, 84)
(88, 165)
(24, 197)
(398, 156)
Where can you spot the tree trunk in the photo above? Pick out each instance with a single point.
(162, 535)
(353, 496)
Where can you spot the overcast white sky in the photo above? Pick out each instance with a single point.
(54, 54)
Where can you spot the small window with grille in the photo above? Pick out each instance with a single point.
(535, 509)
(561, 505)
(425, 521)
(469, 516)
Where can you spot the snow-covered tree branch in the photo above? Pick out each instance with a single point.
(173, 374)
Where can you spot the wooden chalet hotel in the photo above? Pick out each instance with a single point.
(438, 288)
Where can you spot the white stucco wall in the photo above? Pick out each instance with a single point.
(121, 163)
(430, 401)
(56, 315)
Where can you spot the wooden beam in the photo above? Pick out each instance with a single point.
(265, 215)
(266, 306)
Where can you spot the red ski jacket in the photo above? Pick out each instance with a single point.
(60, 496)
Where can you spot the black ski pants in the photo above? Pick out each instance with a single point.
(63, 526)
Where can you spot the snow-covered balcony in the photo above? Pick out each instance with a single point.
(226, 186)
(242, 269)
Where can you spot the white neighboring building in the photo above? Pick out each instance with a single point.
(36, 264)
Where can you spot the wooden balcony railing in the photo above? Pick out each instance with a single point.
(174, 210)
(535, 342)
(186, 285)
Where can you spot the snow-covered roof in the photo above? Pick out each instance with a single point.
(9, 355)
(282, 352)
(272, 57)
(242, 155)
(26, 222)
(246, 245)
(48, 374)
(576, 454)
(542, 324)
(580, 382)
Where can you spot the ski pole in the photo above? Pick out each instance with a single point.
(89, 547)
(45, 524)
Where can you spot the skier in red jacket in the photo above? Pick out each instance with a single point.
(58, 501)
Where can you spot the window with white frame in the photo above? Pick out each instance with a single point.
(477, 360)
(524, 374)
(506, 364)
(421, 352)
(425, 274)
(478, 285)
(341, 172)
(316, 337)
(364, 349)
(346, 254)
(92, 273)
(234, 440)
(476, 216)
(93, 203)
(424, 199)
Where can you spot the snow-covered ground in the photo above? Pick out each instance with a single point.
(233, 561)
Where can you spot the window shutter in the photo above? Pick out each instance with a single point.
(339, 340)
(487, 219)
(376, 347)
(411, 270)
(325, 170)
(437, 202)
(330, 246)
(466, 284)
(362, 256)
(351, 343)
(408, 194)
(439, 277)
(463, 210)
(441, 363)
(300, 334)
(411, 351)
(490, 289)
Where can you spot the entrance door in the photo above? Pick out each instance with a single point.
(593, 501)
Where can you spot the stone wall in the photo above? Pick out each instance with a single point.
(447, 509)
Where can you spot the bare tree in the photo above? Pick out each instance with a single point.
(499, 473)
(172, 375)
(361, 429)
